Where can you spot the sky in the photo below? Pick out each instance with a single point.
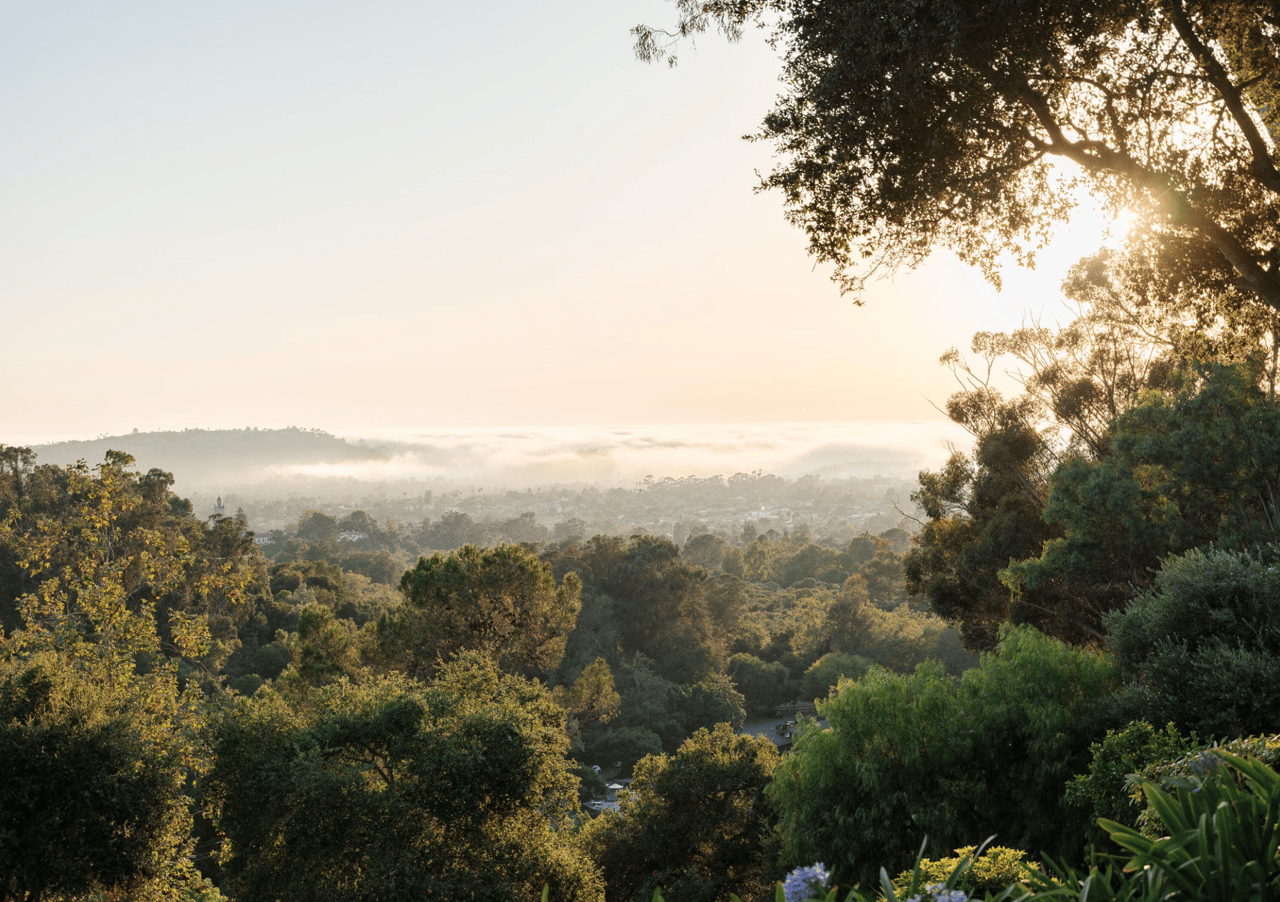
(377, 216)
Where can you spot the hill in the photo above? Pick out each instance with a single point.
(207, 457)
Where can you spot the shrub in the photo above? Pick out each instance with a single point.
(1224, 836)
(1193, 764)
(954, 760)
(1223, 846)
(1202, 648)
(1105, 790)
(992, 871)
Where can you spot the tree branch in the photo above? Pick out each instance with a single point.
(1096, 156)
(1263, 166)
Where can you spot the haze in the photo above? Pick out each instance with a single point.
(409, 217)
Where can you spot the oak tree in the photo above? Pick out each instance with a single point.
(905, 126)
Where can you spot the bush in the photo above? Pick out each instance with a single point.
(1224, 838)
(1223, 846)
(954, 760)
(1190, 765)
(1105, 791)
(1202, 649)
(991, 872)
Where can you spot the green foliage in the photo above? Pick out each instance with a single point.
(112, 573)
(591, 786)
(1224, 833)
(123, 597)
(501, 601)
(925, 755)
(1202, 648)
(696, 824)
(643, 599)
(709, 702)
(901, 130)
(1105, 789)
(1199, 466)
(390, 790)
(1177, 769)
(763, 685)
(92, 786)
(982, 512)
(828, 670)
(621, 745)
(324, 648)
(592, 698)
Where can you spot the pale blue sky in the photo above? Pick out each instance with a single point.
(393, 215)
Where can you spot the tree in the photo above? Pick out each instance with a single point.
(907, 126)
(318, 527)
(91, 792)
(921, 755)
(763, 685)
(1200, 465)
(983, 511)
(705, 550)
(846, 621)
(643, 598)
(827, 672)
(591, 698)
(120, 586)
(393, 790)
(501, 601)
(695, 825)
(113, 567)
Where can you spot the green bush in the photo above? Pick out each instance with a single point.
(1224, 833)
(1105, 790)
(1179, 769)
(1223, 845)
(1202, 649)
(954, 760)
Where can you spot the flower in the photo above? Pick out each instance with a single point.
(1206, 763)
(939, 893)
(805, 883)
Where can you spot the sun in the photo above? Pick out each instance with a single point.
(1118, 229)
(1090, 229)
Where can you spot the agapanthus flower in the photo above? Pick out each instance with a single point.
(806, 883)
(937, 892)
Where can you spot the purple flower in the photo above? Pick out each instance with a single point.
(806, 883)
(939, 893)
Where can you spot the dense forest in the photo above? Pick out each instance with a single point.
(1077, 653)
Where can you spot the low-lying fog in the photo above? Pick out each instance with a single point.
(519, 458)
(270, 462)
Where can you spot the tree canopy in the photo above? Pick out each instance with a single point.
(695, 825)
(393, 790)
(502, 601)
(906, 126)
